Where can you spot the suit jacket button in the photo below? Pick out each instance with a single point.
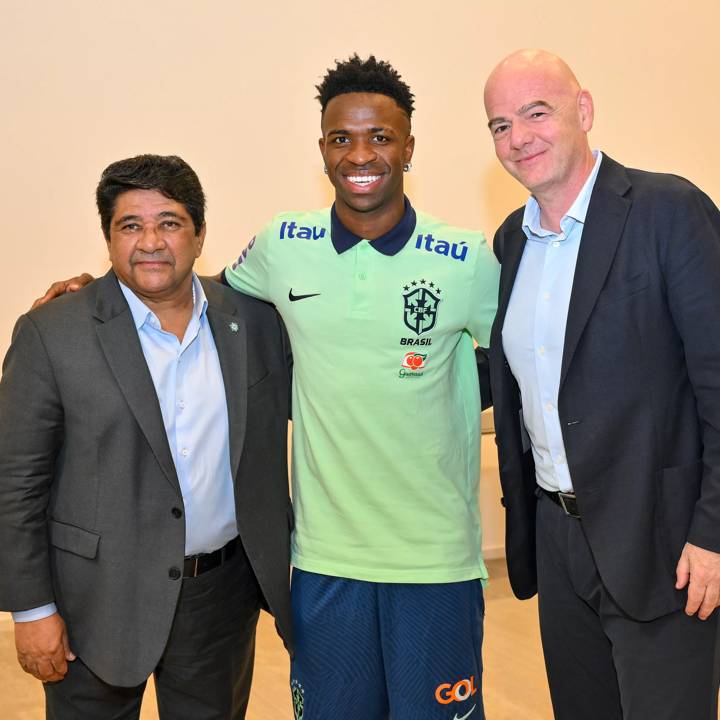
(177, 512)
(174, 573)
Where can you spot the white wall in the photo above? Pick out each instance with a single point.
(229, 86)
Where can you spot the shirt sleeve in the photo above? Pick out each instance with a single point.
(37, 613)
(483, 298)
(250, 273)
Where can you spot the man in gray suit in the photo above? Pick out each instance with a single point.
(144, 510)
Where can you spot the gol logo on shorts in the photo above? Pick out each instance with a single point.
(446, 693)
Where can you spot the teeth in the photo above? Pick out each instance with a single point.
(363, 179)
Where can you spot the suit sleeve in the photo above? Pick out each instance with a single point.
(250, 273)
(498, 242)
(31, 435)
(287, 351)
(691, 260)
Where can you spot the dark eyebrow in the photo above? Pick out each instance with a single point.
(533, 105)
(163, 214)
(521, 111)
(126, 218)
(371, 130)
(495, 121)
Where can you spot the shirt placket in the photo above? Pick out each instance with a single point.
(185, 361)
(548, 356)
(362, 281)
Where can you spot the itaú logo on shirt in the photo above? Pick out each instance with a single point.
(457, 251)
(447, 693)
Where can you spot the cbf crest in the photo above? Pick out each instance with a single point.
(421, 300)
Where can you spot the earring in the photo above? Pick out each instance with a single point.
(407, 167)
(325, 170)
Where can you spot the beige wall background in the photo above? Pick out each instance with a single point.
(229, 86)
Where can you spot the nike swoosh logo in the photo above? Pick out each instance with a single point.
(293, 298)
(467, 714)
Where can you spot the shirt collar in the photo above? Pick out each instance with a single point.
(576, 213)
(391, 243)
(142, 314)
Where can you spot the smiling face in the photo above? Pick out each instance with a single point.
(153, 245)
(366, 141)
(539, 119)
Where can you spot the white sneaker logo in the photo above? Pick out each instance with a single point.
(467, 714)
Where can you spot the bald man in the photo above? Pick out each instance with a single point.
(605, 359)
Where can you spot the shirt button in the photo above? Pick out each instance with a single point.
(556, 243)
(184, 452)
(546, 296)
(559, 459)
(177, 512)
(541, 350)
(174, 573)
(362, 276)
(182, 404)
(549, 407)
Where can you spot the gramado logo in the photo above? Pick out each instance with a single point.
(411, 364)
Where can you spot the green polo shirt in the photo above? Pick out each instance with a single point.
(386, 406)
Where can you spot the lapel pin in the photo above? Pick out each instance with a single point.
(233, 326)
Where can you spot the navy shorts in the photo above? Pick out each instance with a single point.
(372, 651)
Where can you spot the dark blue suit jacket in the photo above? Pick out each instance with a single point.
(639, 397)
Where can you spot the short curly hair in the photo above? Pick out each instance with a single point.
(168, 174)
(365, 76)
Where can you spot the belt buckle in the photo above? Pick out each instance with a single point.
(568, 502)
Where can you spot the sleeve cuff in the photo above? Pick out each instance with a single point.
(35, 613)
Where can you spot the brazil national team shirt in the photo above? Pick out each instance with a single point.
(386, 406)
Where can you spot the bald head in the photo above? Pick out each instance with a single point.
(544, 66)
(539, 118)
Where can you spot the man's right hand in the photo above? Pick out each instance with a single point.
(63, 286)
(43, 649)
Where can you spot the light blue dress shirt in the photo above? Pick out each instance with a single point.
(189, 386)
(534, 330)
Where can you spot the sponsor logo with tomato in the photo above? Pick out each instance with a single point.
(412, 364)
(414, 361)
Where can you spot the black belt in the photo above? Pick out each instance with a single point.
(198, 564)
(567, 501)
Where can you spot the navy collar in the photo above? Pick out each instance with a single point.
(391, 243)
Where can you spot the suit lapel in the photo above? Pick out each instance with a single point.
(512, 252)
(121, 346)
(230, 335)
(513, 248)
(603, 229)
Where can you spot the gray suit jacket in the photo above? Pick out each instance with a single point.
(87, 481)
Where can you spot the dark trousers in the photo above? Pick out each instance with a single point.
(603, 665)
(205, 670)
